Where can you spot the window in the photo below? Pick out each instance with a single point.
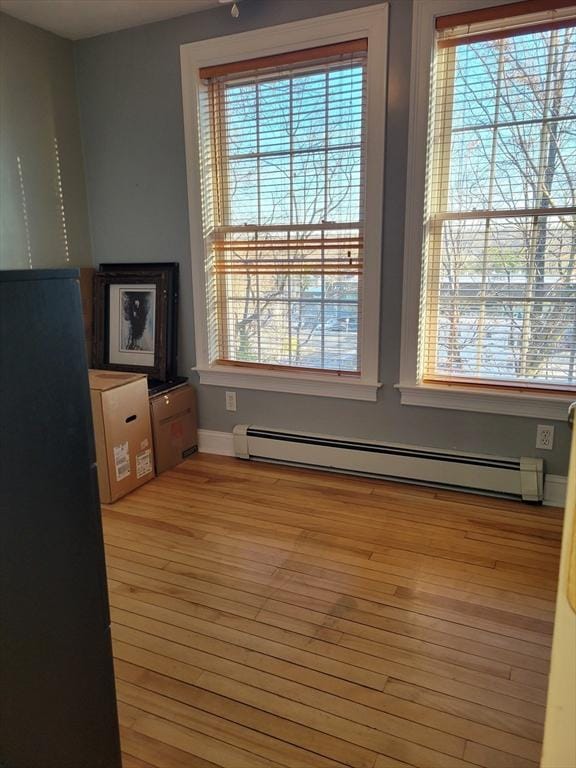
(500, 263)
(282, 155)
(498, 288)
(284, 187)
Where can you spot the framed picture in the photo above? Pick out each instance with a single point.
(135, 319)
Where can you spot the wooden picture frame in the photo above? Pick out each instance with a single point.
(135, 319)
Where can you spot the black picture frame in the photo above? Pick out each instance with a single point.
(153, 287)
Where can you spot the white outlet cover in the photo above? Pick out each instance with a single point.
(230, 401)
(545, 437)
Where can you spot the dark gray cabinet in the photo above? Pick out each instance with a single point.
(57, 697)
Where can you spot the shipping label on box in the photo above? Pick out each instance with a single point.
(122, 461)
(143, 463)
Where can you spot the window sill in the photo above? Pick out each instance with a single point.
(344, 387)
(506, 403)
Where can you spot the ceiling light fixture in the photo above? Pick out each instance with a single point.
(235, 11)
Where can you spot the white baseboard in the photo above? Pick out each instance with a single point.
(555, 490)
(222, 444)
(211, 441)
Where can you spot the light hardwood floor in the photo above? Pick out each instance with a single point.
(268, 616)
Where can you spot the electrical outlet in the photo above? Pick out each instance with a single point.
(545, 436)
(230, 401)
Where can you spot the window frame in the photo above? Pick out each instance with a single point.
(372, 23)
(519, 400)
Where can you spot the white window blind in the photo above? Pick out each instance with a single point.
(283, 145)
(499, 278)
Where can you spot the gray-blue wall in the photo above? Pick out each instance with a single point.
(131, 115)
(38, 106)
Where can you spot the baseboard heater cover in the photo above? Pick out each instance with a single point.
(520, 478)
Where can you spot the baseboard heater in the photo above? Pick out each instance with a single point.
(517, 478)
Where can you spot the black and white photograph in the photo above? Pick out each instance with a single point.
(137, 319)
(132, 324)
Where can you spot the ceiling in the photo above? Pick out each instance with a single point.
(76, 19)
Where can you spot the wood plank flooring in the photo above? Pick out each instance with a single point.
(265, 616)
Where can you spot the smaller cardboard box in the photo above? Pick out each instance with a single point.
(122, 432)
(174, 426)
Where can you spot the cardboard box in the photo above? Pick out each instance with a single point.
(174, 426)
(122, 432)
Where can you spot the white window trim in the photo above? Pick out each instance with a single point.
(412, 391)
(370, 22)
